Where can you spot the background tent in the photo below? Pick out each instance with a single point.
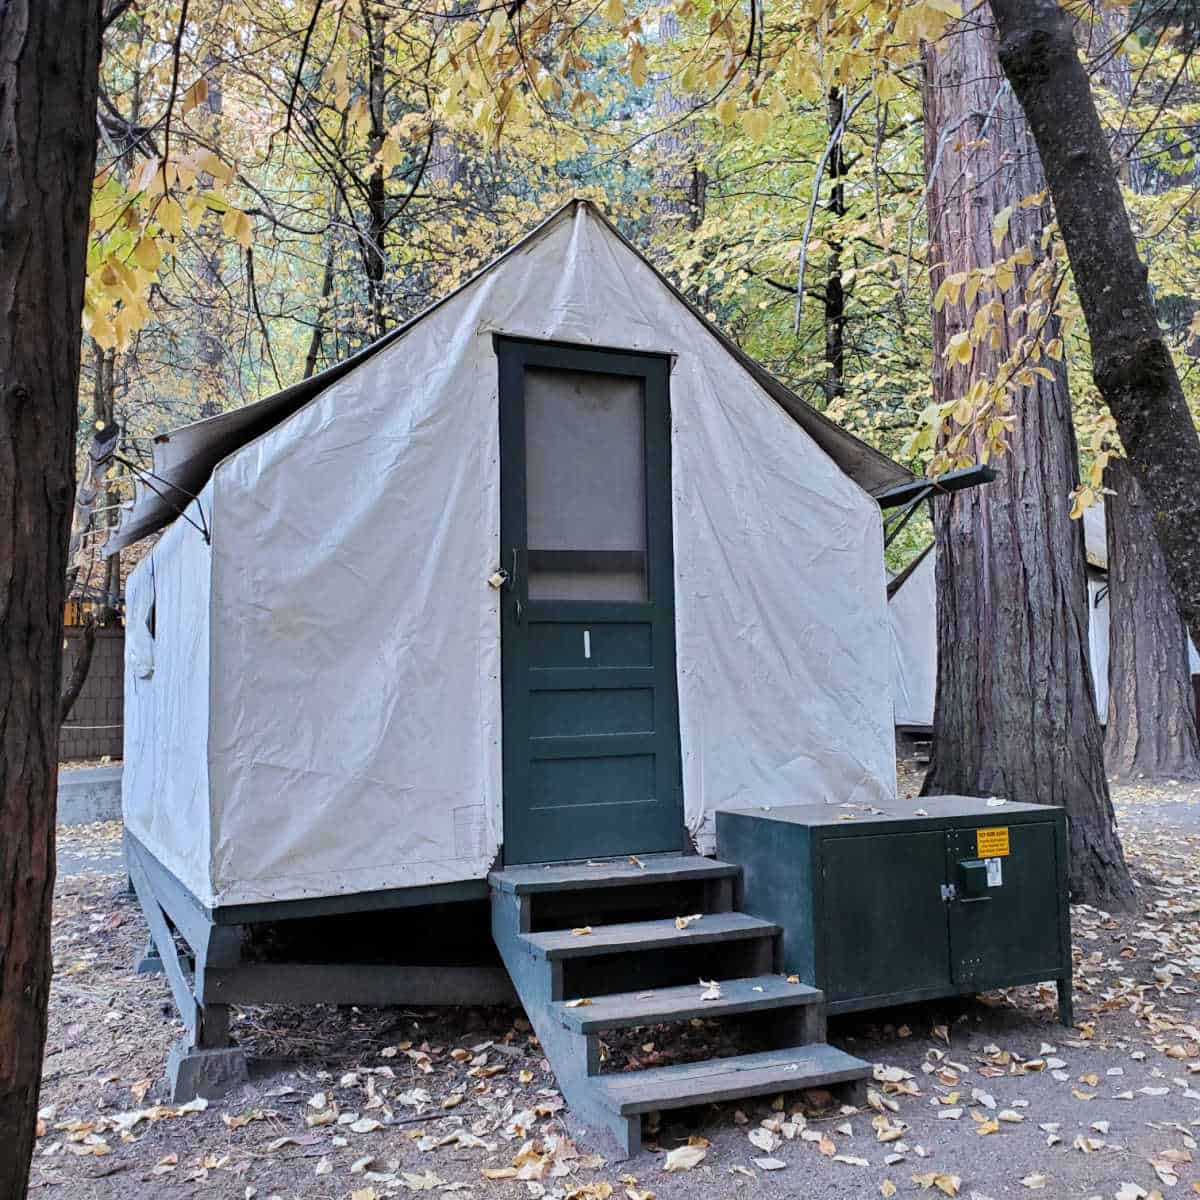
(912, 615)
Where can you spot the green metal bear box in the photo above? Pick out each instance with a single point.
(940, 896)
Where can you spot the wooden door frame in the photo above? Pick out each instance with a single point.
(513, 355)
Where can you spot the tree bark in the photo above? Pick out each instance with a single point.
(835, 295)
(318, 330)
(79, 669)
(212, 332)
(49, 69)
(1131, 364)
(104, 413)
(1015, 714)
(1151, 730)
(680, 185)
(374, 249)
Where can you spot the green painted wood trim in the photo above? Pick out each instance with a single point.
(529, 838)
(325, 906)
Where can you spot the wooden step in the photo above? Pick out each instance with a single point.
(527, 881)
(625, 1010)
(648, 935)
(766, 1073)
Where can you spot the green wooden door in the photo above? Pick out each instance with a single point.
(591, 725)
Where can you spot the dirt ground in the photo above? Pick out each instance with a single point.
(985, 1099)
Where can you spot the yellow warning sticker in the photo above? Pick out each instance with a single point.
(991, 843)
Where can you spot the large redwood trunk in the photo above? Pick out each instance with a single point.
(1131, 363)
(49, 66)
(1015, 714)
(1151, 731)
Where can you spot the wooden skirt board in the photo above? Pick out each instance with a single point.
(590, 710)
(203, 954)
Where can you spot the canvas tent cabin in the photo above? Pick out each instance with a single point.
(1096, 542)
(551, 574)
(912, 614)
(347, 534)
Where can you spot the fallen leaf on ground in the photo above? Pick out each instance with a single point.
(945, 1183)
(765, 1140)
(769, 1164)
(684, 1158)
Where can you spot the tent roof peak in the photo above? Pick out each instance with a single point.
(185, 458)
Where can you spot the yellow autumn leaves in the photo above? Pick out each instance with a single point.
(136, 216)
(493, 68)
(1013, 323)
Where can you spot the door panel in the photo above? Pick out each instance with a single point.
(570, 713)
(590, 644)
(888, 888)
(591, 727)
(1010, 927)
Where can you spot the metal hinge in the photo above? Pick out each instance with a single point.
(949, 892)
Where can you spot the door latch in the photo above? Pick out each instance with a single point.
(949, 892)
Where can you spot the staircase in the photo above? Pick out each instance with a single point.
(637, 967)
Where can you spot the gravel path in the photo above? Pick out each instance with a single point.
(983, 1099)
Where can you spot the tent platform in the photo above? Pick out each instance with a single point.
(277, 953)
(637, 965)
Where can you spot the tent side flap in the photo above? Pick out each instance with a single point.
(356, 725)
(165, 782)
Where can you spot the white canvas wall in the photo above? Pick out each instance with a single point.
(165, 781)
(355, 717)
(1098, 638)
(1095, 538)
(912, 624)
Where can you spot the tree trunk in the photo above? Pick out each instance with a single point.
(678, 196)
(835, 296)
(104, 412)
(49, 68)
(79, 669)
(375, 250)
(1130, 360)
(1151, 730)
(318, 329)
(212, 334)
(1015, 713)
